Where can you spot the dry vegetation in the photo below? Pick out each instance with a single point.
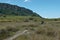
(40, 29)
(48, 31)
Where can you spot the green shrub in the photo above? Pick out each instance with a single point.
(55, 19)
(12, 29)
(42, 22)
(31, 18)
(26, 20)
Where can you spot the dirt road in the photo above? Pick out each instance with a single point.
(17, 34)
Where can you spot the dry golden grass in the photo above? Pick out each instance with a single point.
(49, 30)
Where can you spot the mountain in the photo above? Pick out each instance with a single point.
(8, 9)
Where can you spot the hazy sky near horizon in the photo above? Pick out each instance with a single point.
(45, 8)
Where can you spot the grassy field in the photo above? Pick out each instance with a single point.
(46, 31)
(41, 29)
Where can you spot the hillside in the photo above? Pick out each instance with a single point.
(8, 9)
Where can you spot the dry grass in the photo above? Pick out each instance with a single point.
(49, 30)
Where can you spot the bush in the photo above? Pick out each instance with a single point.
(4, 16)
(3, 34)
(2, 31)
(35, 20)
(12, 29)
(40, 31)
(50, 33)
(26, 20)
(31, 18)
(42, 22)
(55, 19)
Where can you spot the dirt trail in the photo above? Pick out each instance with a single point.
(17, 34)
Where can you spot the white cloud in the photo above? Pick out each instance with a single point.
(26, 0)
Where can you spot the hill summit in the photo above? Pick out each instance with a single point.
(9, 9)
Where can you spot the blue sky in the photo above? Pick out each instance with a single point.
(45, 8)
